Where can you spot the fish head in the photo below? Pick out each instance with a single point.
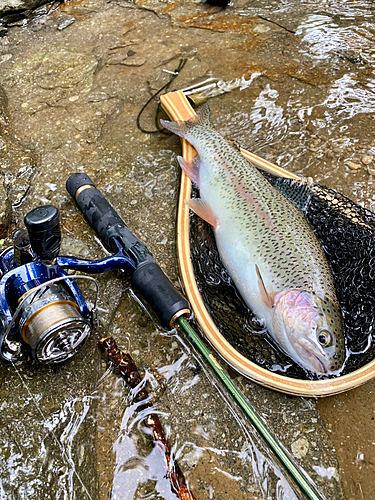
(311, 330)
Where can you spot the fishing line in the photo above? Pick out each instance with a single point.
(174, 74)
(106, 374)
(62, 449)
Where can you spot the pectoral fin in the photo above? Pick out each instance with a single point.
(191, 168)
(267, 299)
(203, 209)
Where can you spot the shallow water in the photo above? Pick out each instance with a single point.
(68, 433)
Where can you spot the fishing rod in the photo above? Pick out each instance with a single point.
(169, 304)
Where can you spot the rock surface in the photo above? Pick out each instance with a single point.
(71, 86)
(14, 5)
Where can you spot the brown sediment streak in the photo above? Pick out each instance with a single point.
(129, 371)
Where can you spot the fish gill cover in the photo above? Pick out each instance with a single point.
(347, 234)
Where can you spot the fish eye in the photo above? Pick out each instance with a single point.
(324, 338)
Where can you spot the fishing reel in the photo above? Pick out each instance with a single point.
(42, 309)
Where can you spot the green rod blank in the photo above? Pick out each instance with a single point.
(291, 467)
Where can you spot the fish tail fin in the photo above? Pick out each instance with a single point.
(181, 128)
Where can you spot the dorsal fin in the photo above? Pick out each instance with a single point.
(204, 115)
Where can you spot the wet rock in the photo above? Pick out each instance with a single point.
(367, 159)
(300, 447)
(64, 22)
(353, 166)
(5, 211)
(3, 110)
(5, 205)
(20, 16)
(74, 95)
(307, 438)
(19, 5)
(17, 166)
(45, 444)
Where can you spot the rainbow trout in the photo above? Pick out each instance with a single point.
(267, 247)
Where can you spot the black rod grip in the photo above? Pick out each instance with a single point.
(99, 212)
(159, 292)
(148, 278)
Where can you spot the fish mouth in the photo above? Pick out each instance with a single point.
(324, 369)
(309, 348)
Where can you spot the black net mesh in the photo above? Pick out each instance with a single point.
(346, 232)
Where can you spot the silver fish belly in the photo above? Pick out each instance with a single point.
(267, 247)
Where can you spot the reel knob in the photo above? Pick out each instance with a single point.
(43, 226)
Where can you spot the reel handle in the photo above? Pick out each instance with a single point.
(148, 278)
